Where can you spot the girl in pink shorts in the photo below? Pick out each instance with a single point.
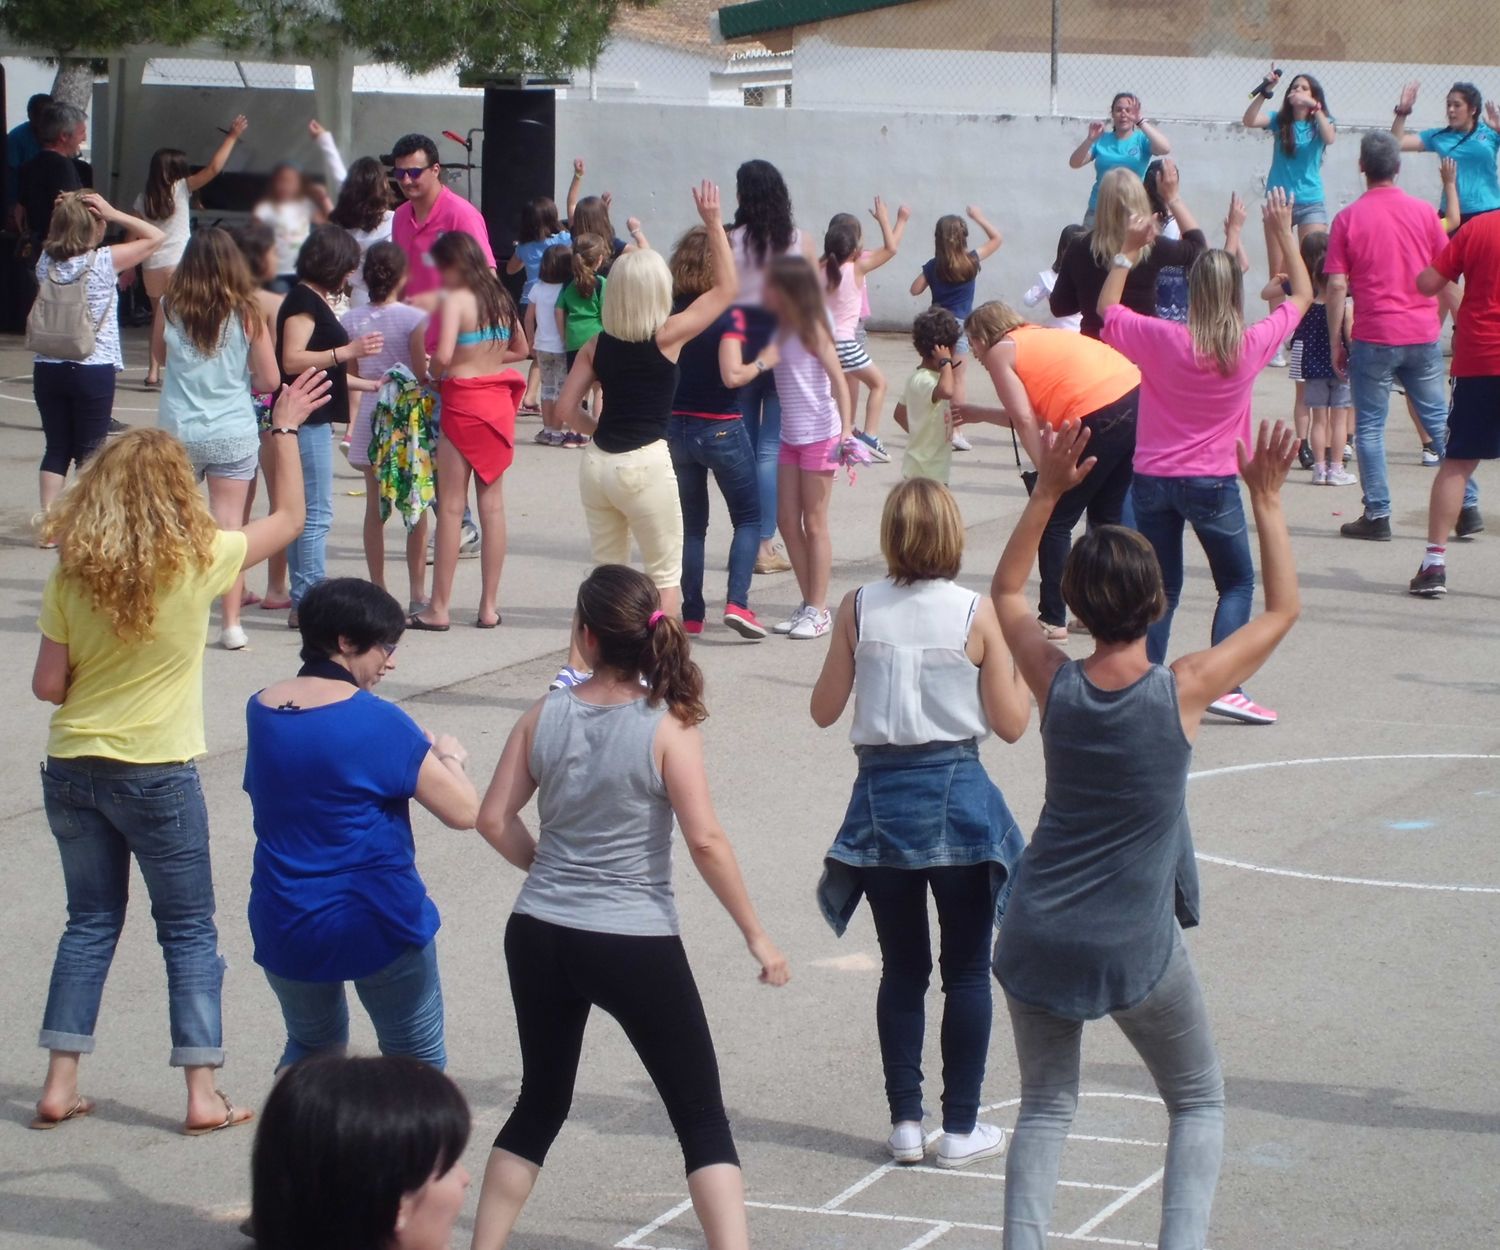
(816, 420)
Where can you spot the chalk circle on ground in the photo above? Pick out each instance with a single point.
(1332, 878)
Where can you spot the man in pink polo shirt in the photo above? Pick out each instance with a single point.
(1376, 249)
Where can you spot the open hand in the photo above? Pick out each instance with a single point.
(368, 344)
(300, 399)
(96, 204)
(774, 969)
(1408, 97)
(879, 213)
(1235, 219)
(607, 199)
(1059, 468)
(1448, 168)
(1096, 129)
(1170, 183)
(1277, 212)
(706, 201)
(1275, 450)
(1492, 114)
(241, 124)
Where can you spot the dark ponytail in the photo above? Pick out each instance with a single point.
(839, 246)
(622, 608)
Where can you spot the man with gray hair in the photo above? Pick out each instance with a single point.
(61, 133)
(1376, 249)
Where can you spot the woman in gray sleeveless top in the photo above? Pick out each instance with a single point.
(612, 762)
(1093, 926)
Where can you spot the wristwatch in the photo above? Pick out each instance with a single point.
(760, 366)
(1122, 261)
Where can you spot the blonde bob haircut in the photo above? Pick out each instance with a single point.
(991, 322)
(921, 532)
(73, 229)
(637, 296)
(1122, 195)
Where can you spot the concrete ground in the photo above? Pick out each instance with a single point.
(1351, 883)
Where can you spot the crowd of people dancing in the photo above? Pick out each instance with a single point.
(740, 356)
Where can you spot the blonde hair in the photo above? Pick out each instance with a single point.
(132, 524)
(921, 532)
(991, 322)
(1122, 195)
(73, 229)
(637, 296)
(1216, 317)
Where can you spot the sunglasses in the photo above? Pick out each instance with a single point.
(412, 174)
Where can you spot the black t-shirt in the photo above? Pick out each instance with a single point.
(700, 386)
(638, 383)
(42, 179)
(1080, 278)
(327, 334)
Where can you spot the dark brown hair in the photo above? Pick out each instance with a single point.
(384, 270)
(364, 198)
(921, 532)
(169, 166)
(328, 257)
(797, 281)
(840, 245)
(617, 604)
(1112, 582)
(539, 219)
(557, 264)
(590, 216)
(461, 253)
(590, 255)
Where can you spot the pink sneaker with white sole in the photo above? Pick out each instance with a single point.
(1237, 705)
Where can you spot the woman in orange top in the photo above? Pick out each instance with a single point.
(1043, 374)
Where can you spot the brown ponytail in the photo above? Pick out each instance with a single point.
(622, 609)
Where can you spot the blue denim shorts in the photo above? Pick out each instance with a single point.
(1313, 213)
(1327, 393)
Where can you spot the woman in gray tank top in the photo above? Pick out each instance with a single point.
(1093, 926)
(612, 762)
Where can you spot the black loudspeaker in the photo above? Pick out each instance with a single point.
(519, 160)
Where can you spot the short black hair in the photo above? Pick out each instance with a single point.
(35, 105)
(341, 1141)
(410, 145)
(347, 608)
(1112, 581)
(328, 257)
(937, 327)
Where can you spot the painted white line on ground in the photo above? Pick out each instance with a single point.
(927, 1238)
(966, 1174)
(1333, 878)
(27, 399)
(859, 1186)
(633, 1241)
(1118, 1205)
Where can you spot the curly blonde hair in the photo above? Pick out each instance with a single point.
(132, 524)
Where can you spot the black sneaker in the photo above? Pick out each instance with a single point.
(119, 427)
(1430, 583)
(1371, 529)
(1305, 455)
(1470, 522)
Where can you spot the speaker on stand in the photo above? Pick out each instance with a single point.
(519, 162)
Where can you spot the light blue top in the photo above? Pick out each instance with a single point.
(206, 400)
(1301, 174)
(1474, 152)
(531, 256)
(1111, 152)
(490, 334)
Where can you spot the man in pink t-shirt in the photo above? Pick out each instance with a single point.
(1376, 249)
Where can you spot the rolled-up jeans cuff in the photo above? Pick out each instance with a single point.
(197, 1057)
(74, 1043)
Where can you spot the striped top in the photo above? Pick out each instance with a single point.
(808, 412)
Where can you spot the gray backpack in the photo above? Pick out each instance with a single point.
(59, 324)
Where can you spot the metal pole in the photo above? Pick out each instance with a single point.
(1056, 47)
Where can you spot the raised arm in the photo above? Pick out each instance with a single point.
(708, 307)
(142, 237)
(1253, 120)
(267, 535)
(1084, 152)
(333, 162)
(1139, 235)
(1234, 224)
(1278, 218)
(638, 240)
(1007, 705)
(1207, 675)
(890, 236)
(1170, 188)
(511, 788)
(1403, 110)
(1160, 144)
(1453, 213)
(575, 188)
(220, 158)
(992, 239)
(836, 682)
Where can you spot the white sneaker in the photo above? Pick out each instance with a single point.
(1340, 476)
(815, 623)
(1278, 361)
(907, 1142)
(960, 1150)
(791, 622)
(960, 443)
(233, 638)
(1320, 474)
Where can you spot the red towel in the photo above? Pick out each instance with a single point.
(479, 418)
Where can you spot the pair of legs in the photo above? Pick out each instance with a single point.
(307, 557)
(871, 376)
(1474, 431)
(404, 1000)
(1329, 433)
(552, 370)
(75, 402)
(557, 976)
(701, 446)
(966, 920)
(278, 587)
(761, 408)
(1170, 1031)
(101, 813)
(416, 544)
(229, 492)
(802, 496)
(156, 282)
(1164, 507)
(454, 472)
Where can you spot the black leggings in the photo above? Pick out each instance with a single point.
(556, 975)
(75, 402)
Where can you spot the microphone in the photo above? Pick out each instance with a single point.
(448, 134)
(1270, 80)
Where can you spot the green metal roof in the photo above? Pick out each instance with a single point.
(760, 16)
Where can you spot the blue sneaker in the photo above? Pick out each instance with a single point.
(878, 452)
(568, 677)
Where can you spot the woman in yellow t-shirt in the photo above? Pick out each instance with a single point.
(124, 622)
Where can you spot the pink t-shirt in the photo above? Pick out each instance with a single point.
(451, 212)
(1190, 416)
(1382, 242)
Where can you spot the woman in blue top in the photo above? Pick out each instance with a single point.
(1466, 140)
(1131, 141)
(335, 894)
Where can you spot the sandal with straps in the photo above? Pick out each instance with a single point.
(229, 1120)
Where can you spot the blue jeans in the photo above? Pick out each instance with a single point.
(404, 999)
(698, 445)
(307, 556)
(761, 408)
(966, 924)
(102, 812)
(1372, 369)
(1211, 505)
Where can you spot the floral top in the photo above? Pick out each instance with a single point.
(403, 439)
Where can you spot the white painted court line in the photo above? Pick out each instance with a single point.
(634, 1240)
(927, 1238)
(859, 1186)
(965, 1174)
(1118, 1205)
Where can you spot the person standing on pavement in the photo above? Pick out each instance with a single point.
(1376, 249)
(61, 134)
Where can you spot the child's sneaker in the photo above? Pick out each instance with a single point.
(1320, 475)
(550, 438)
(791, 622)
(568, 677)
(1348, 452)
(1340, 476)
(878, 453)
(1430, 457)
(573, 439)
(815, 623)
(692, 627)
(744, 622)
(907, 1143)
(960, 443)
(959, 1150)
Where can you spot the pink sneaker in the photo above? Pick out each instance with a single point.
(744, 622)
(692, 627)
(1237, 705)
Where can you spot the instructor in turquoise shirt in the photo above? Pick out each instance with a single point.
(1130, 142)
(1465, 140)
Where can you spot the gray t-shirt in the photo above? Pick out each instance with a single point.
(1109, 872)
(604, 848)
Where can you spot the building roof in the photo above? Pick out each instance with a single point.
(758, 17)
(674, 23)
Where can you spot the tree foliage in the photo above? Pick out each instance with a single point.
(98, 26)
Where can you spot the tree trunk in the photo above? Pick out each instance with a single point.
(74, 83)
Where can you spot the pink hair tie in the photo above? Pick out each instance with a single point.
(655, 617)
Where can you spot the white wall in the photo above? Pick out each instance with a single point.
(23, 79)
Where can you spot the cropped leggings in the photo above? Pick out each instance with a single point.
(557, 975)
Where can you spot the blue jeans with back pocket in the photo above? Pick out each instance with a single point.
(700, 446)
(102, 812)
(1164, 507)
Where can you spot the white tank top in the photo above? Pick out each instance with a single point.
(913, 680)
